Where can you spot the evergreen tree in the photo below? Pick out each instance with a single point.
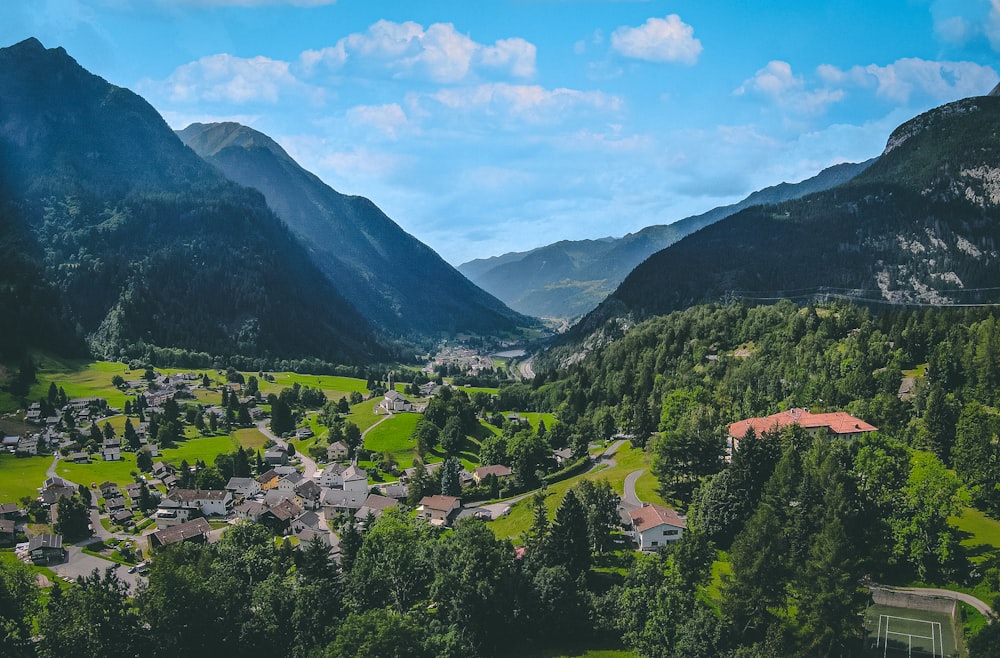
(450, 484)
(572, 549)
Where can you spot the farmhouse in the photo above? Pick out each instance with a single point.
(497, 470)
(656, 526)
(209, 501)
(836, 424)
(337, 450)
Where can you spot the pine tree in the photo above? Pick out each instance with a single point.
(572, 550)
(450, 484)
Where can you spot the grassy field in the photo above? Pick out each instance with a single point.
(119, 472)
(393, 435)
(250, 438)
(334, 387)
(515, 523)
(21, 476)
(981, 534)
(81, 380)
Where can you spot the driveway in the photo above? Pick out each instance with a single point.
(308, 465)
(629, 499)
(79, 564)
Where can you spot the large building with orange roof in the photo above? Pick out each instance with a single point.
(838, 423)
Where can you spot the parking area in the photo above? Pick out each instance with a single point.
(79, 564)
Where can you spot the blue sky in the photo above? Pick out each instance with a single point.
(487, 126)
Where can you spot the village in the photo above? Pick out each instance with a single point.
(299, 498)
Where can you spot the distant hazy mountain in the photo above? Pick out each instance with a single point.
(115, 233)
(920, 226)
(569, 278)
(392, 278)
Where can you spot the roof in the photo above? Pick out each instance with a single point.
(838, 422)
(498, 470)
(377, 502)
(182, 532)
(45, 541)
(294, 478)
(191, 495)
(649, 516)
(353, 472)
(6, 526)
(250, 508)
(267, 477)
(286, 510)
(439, 502)
(308, 488)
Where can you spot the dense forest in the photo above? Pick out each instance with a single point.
(800, 523)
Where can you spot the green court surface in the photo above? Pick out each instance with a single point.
(904, 632)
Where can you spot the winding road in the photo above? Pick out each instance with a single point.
(930, 592)
(308, 465)
(629, 499)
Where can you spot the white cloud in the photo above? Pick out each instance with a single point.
(899, 81)
(993, 25)
(530, 102)
(226, 78)
(388, 119)
(658, 40)
(438, 53)
(777, 82)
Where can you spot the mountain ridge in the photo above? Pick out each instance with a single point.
(395, 280)
(538, 280)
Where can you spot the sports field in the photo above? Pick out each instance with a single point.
(906, 633)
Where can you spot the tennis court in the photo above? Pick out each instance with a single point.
(908, 633)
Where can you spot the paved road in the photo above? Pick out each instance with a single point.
(929, 592)
(526, 369)
(629, 499)
(308, 465)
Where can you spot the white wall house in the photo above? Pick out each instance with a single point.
(655, 526)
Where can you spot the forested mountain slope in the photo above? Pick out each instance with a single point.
(123, 237)
(393, 279)
(569, 278)
(918, 227)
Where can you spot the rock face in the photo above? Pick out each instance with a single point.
(919, 226)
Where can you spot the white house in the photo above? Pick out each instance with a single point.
(656, 526)
(439, 510)
(355, 479)
(331, 477)
(211, 502)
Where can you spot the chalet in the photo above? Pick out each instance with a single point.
(394, 402)
(51, 494)
(336, 501)
(10, 443)
(134, 490)
(439, 510)
(114, 504)
(355, 479)
(122, 517)
(250, 510)
(655, 526)
(170, 481)
(193, 531)
(562, 456)
(245, 487)
(268, 480)
(304, 433)
(279, 518)
(8, 536)
(162, 469)
(428, 389)
(337, 450)
(274, 496)
(11, 511)
(80, 457)
(289, 482)
(396, 491)
(276, 455)
(430, 469)
(308, 493)
(46, 549)
(375, 504)
(497, 470)
(28, 445)
(310, 520)
(109, 489)
(836, 424)
(151, 448)
(111, 450)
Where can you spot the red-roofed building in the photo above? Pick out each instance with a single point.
(655, 526)
(838, 423)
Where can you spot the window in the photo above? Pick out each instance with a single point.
(670, 533)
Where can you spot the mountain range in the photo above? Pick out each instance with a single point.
(119, 240)
(920, 226)
(569, 278)
(394, 280)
